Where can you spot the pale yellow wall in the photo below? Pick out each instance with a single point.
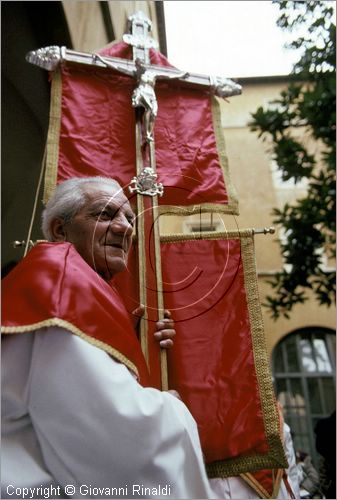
(249, 162)
(305, 315)
(119, 14)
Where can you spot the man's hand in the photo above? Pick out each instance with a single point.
(174, 393)
(165, 331)
(165, 327)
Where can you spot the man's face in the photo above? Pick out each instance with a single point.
(102, 230)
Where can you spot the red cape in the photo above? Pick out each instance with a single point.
(54, 286)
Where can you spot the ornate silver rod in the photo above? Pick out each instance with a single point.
(264, 230)
(50, 57)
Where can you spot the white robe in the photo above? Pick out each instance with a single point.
(74, 416)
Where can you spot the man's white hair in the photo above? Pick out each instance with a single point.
(68, 199)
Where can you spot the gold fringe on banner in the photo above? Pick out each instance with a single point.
(233, 202)
(232, 207)
(207, 235)
(275, 457)
(53, 136)
(195, 209)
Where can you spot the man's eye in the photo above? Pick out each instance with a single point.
(104, 214)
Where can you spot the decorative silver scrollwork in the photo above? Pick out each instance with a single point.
(145, 183)
(139, 19)
(47, 57)
(139, 27)
(224, 87)
(140, 41)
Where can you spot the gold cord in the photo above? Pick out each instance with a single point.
(43, 166)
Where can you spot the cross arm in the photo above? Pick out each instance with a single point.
(50, 57)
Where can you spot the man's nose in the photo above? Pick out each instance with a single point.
(120, 224)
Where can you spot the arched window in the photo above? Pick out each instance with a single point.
(304, 371)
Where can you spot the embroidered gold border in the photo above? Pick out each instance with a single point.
(195, 209)
(53, 137)
(76, 331)
(275, 457)
(269, 409)
(233, 202)
(206, 235)
(232, 207)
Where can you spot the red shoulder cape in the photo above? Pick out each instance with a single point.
(53, 285)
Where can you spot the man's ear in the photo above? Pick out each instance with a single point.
(57, 229)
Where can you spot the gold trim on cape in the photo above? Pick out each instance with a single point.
(76, 331)
(275, 458)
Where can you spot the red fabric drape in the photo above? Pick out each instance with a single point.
(212, 363)
(53, 282)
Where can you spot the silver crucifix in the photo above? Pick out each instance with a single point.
(146, 75)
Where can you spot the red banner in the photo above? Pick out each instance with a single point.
(92, 132)
(219, 362)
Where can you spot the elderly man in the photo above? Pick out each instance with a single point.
(78, 420)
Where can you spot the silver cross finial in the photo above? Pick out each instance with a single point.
(139, 37)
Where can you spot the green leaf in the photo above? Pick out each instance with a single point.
(303, 114)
